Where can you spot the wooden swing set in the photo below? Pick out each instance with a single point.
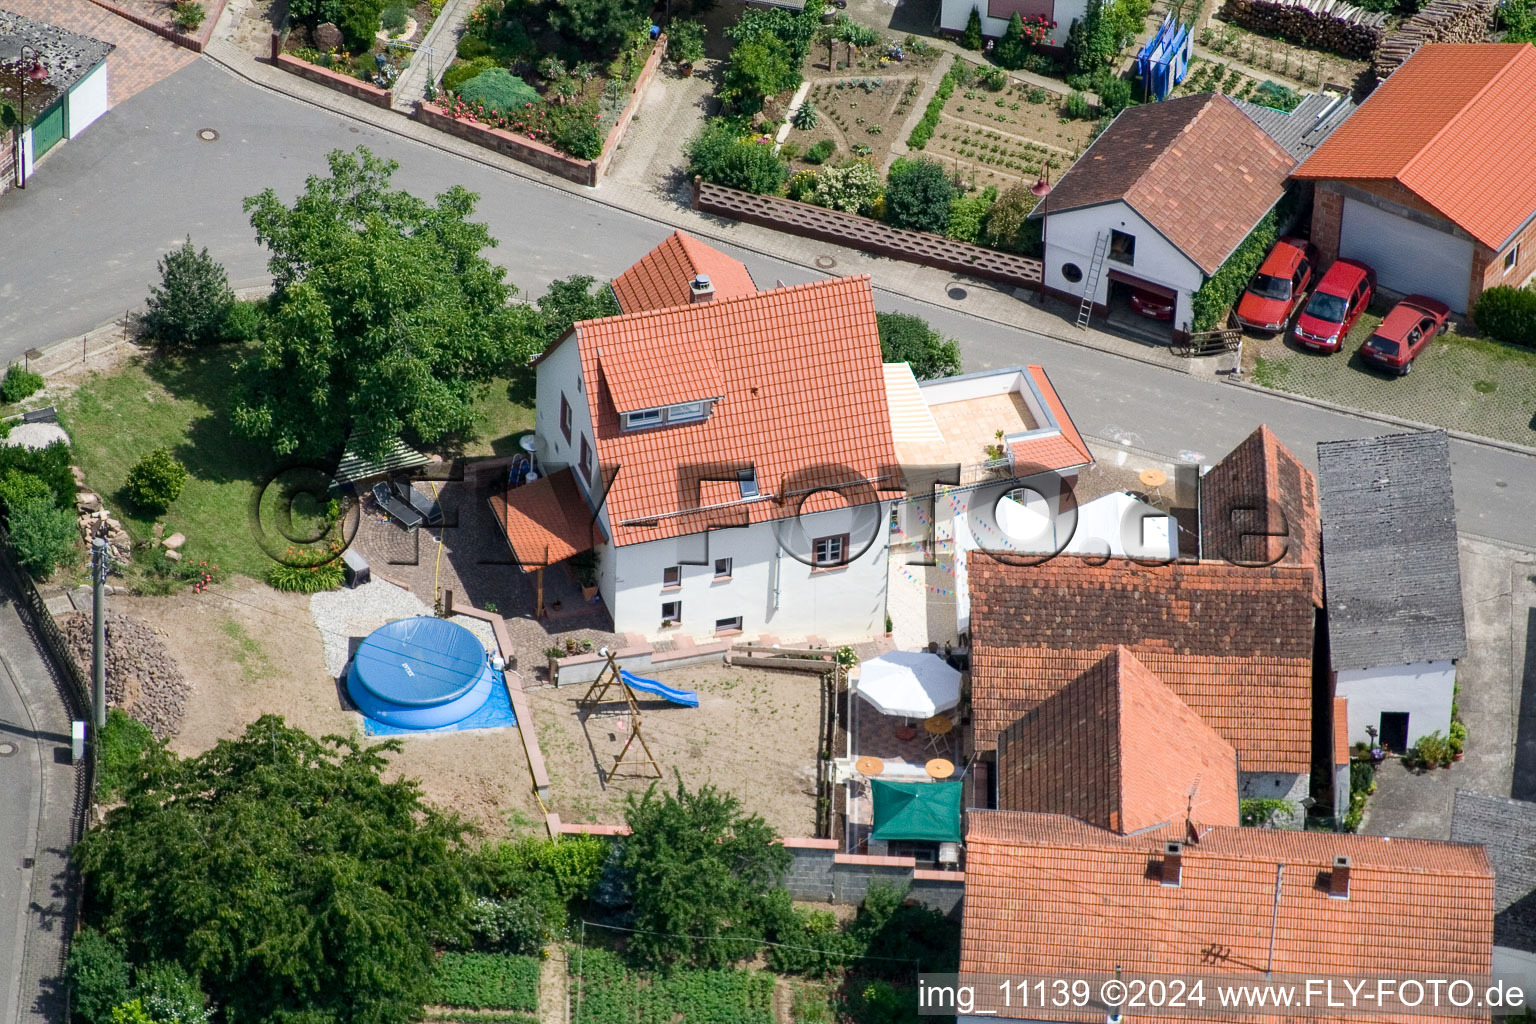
(606, 680)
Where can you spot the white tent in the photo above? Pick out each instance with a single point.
(911, 684)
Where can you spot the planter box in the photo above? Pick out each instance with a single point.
(540, 155)
(333, 80)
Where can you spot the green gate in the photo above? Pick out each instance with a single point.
(48, 130)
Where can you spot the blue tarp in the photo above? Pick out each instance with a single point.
(495, 713)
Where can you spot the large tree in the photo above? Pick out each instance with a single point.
(285, 873)
(603, 24)
(699, 867)
(905, 338)
(387, 320)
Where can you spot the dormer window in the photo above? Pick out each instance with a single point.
(686, 411)
(747, 479)
(643, 418)
(682, 412)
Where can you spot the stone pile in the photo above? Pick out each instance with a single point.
(94, 518)
(142, 677)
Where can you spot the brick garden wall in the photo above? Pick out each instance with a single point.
(332, 80)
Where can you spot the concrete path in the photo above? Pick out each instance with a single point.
(38, 800)
(437, 51)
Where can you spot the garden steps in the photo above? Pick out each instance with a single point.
(443, 40)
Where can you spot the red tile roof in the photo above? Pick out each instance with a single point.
(1453, 125)
(1234, 643)
(1196, 168)
(1258, 506)
(1340, 731)
(1047, 895)
(1117, 748)
(660, 280)
(546, 521)
(803, 403)
(1064, 451)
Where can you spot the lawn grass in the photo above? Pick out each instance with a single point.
(502, 415)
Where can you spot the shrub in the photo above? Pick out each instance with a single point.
(357, 19)
(1508, 314)
(967, 213)
(463, 70)
(191, 302)
(307, 571)
(1114, 94)
(488, 981)
(50, 465)
(42, 533)
(971, 37)
(1211, 300)
(1432, 749)
(685, 41)
(917, 195)
(20, 383)
(805, 117)
(905, 338)
(1077, 107)
(1457, 738)
(98, 976)
(760, 67)
(244, 320)
(187, 15)
(852, 188)
(393, 18)
(1038, 95)
(16, 486)
(1273, 94)
(957, 74)
(801, 185)
(119, 749)
(156, 480)
(1007, 224)
(499, 91)
(809, 942)
(576, 130)
(820, 151)
(720, 155)
(170, 995)
(992, 79)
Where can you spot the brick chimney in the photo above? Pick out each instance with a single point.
(1173, 864)
(1338, 882)
(701, 290)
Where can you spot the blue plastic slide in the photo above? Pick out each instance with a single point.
(687, 698)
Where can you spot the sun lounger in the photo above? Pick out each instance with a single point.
(424, 504)
(398, 510)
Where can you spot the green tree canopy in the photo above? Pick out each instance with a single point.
(760, 67)
(387, 319)
(905, 338)
(917, 195)
(698, 866)
(285, 873)
(192, 301)
(603, 24)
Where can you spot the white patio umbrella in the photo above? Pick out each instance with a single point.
(910, 684)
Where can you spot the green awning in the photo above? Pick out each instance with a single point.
(924, 811)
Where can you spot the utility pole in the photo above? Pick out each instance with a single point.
(99, 562)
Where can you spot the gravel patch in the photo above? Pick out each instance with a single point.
(341, 615)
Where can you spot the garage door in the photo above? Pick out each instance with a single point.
(1408, 257)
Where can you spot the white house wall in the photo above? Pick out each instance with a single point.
(1070, 238)
(87, 100)
(1276, 786)
(839, 605)
(1424, 691)
(953, 15)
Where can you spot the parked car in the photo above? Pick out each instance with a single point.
(1339, 299)
(1279, 286)
(1404, 332)
(1149, 304)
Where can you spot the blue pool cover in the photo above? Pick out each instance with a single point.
(420, 673)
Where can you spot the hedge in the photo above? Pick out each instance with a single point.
(1222, 289)
(924, 130)
(487, 981)
(1508, 314)
(613, 994)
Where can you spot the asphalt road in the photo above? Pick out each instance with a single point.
(84, 237)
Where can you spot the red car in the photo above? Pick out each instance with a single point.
(1279, 286)
(1404, 332)
(1150, 305)
(1340, 298)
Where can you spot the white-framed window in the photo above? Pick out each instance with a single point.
(722, 568)
(830, 550)
(672, 611)
(731, 625)
(1512, 257)
(686, 411)
(643, 418)
(747, 480)
(672, 576)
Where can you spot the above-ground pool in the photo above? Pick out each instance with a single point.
(421, 673)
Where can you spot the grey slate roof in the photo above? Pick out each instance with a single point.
(67, 55)
(1303, 129)
(1391, 570)
(1508, 829)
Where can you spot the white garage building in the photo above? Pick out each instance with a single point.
(64, 78)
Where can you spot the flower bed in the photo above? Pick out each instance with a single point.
(348, 84)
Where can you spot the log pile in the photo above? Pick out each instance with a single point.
(1331, 25)
(1438, 21)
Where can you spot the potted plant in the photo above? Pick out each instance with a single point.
(584, 569)
(570, 645)
(1378, 755)
(1457, 740)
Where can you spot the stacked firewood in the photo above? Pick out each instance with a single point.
(1438, 21)
(1331, 25)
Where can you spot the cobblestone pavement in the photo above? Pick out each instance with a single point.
(1470, 385)
(140, 59)
(443, 40)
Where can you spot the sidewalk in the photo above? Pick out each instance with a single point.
(39, 799)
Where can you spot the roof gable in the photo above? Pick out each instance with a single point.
(1117, 748)
(1258, 506)
(1196, 169)
(1234, 643)
(1046, 895)
(1391, 558)
(1453, 125)
(660, 279)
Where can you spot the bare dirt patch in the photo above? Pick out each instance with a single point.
(862, 115)
(248, 650)
(753, 734)
(1007, 136)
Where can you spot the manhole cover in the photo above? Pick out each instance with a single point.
(208, 135)
(956, 292)
(354, 130)
(826, 262)
(7, 749)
